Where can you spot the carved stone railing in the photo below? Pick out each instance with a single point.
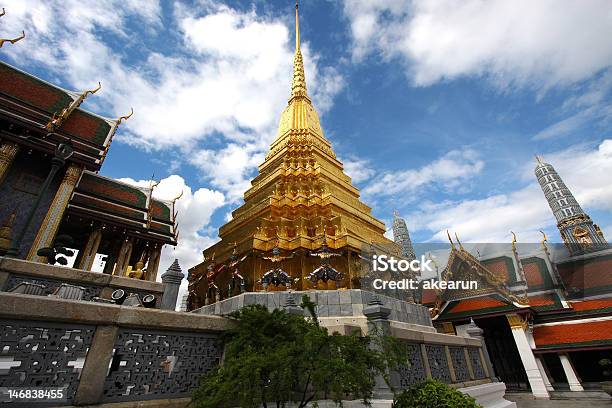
(102, 353)
(455, 360)
(16, 271)
(451, 359)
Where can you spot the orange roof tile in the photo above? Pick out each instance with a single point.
(592, 304)
(533, 274)
(476, 303)
(428, 296)
(573, 335)
(499, 268)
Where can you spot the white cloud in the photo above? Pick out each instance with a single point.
(520, 42)
(450, 173)
(194, 211)
(584, 169)
(588, 106)
(357, 169)
(229, 168)
(215, 75)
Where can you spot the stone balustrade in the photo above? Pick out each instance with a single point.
(102, 353)
(105, 354)
(50, 277)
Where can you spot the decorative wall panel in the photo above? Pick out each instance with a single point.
(413, 371)
(459, 364)
(91, 291)
(150, 364)
(42, 354)
(476, 362)
(438, 364)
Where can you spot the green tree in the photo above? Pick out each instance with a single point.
(433, 394)
(272, 358)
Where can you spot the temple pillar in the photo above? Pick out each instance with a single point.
(123, 259)
(542, 369)
(153, 265)
(91, 249)
(8, 151)
(48, 228)
(570, 374)
(519, 326)
(378, 325)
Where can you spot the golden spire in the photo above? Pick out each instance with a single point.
(297, 27)
(298, 86)
(299, 122)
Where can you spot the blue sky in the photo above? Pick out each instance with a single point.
(436, 108)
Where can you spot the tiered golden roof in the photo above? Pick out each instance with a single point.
(301, 192)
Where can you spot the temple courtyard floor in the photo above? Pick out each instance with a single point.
(562, 400)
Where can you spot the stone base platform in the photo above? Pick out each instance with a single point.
(343, 305)
(489, 395)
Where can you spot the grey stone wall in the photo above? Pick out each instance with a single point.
(103, 353)
(330, 303)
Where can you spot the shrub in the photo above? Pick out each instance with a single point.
(433, 394)
(273, 358)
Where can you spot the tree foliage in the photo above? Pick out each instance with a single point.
(433, 394)
(272, 358)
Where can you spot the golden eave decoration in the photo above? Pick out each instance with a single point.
(12, 41)
(59, 118)
(481, 271)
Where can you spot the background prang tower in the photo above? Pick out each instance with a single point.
(576, 227)
(402, 237)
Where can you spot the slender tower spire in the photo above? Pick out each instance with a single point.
(401, 236)
(298, 86)
(576, 227)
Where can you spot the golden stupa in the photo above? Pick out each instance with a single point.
(300, 200)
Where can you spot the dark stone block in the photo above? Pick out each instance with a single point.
(346, 310)
(334, 310)
(345, 297)
(323, 311)
(249, 299)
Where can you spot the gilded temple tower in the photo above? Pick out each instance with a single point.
(576, 227)
(300, 200)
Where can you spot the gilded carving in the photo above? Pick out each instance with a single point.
(517, 321)
(53, 218)
(8, 151)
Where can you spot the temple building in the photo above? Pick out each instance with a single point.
(301, 212)
(545, 309)
(53, 198)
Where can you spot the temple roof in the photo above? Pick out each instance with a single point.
(580, 334)
(462, 309)
(32, 102)
(587, 276)
(124, 205)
